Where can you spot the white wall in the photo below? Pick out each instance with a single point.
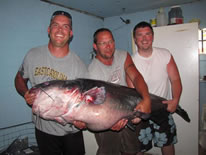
(182, 41)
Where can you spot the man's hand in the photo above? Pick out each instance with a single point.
(119, 125)
(171, 105)
(145, 107)
(29, 98)
(79, 124)
(136, 120)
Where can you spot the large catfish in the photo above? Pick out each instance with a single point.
(97, 103)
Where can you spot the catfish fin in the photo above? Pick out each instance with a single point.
(159, 116)
(142, 115)
(96, 95)
(181, 112)
(131, 125)
(60, 120)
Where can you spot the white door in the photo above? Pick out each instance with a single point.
(182, 41)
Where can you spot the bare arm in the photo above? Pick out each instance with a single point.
(22, 88)
(176, 85)
(21, 84)
(135, 79)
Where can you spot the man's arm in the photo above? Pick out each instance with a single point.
(134, 78)
(21, 84)
(22, 88)
(176, 85)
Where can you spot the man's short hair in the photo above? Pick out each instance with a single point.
(101, 30)
(64, 13)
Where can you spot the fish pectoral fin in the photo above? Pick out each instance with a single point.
(159, 116)
(95, 95)
(142, 115)
(131, 125)
(60, 120)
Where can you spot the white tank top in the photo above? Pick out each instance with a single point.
(154, 71)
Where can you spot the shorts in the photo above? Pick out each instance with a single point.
(113, 143)
(161, 135)
(70, 144)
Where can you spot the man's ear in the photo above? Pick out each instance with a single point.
(48, 30)
(71, 33)
(95, 46)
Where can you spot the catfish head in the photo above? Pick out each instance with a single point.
(56, 100)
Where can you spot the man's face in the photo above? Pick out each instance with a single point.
(143, 38)
(60, 31)
(105, 45)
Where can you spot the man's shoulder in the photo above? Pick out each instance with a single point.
(77, 61)
(39, 47)
(120, 53)
(162, 54)
(36, 51)
(93, 64)
(76, 57)
(161, 50)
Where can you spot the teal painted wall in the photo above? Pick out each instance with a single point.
(122, 31)
(24, 25)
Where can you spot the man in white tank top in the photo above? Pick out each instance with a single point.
(159, 70)
(114, 66)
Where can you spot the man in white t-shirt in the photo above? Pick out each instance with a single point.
(159, 70)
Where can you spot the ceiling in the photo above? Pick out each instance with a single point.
(109, 8)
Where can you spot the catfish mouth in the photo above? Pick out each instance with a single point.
(37, 90)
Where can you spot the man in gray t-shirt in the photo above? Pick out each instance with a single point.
(54, 61)
(115, 66)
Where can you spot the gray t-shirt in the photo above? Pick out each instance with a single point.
(114, 73)
(39, 65)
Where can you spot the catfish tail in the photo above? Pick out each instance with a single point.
(181, 112)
